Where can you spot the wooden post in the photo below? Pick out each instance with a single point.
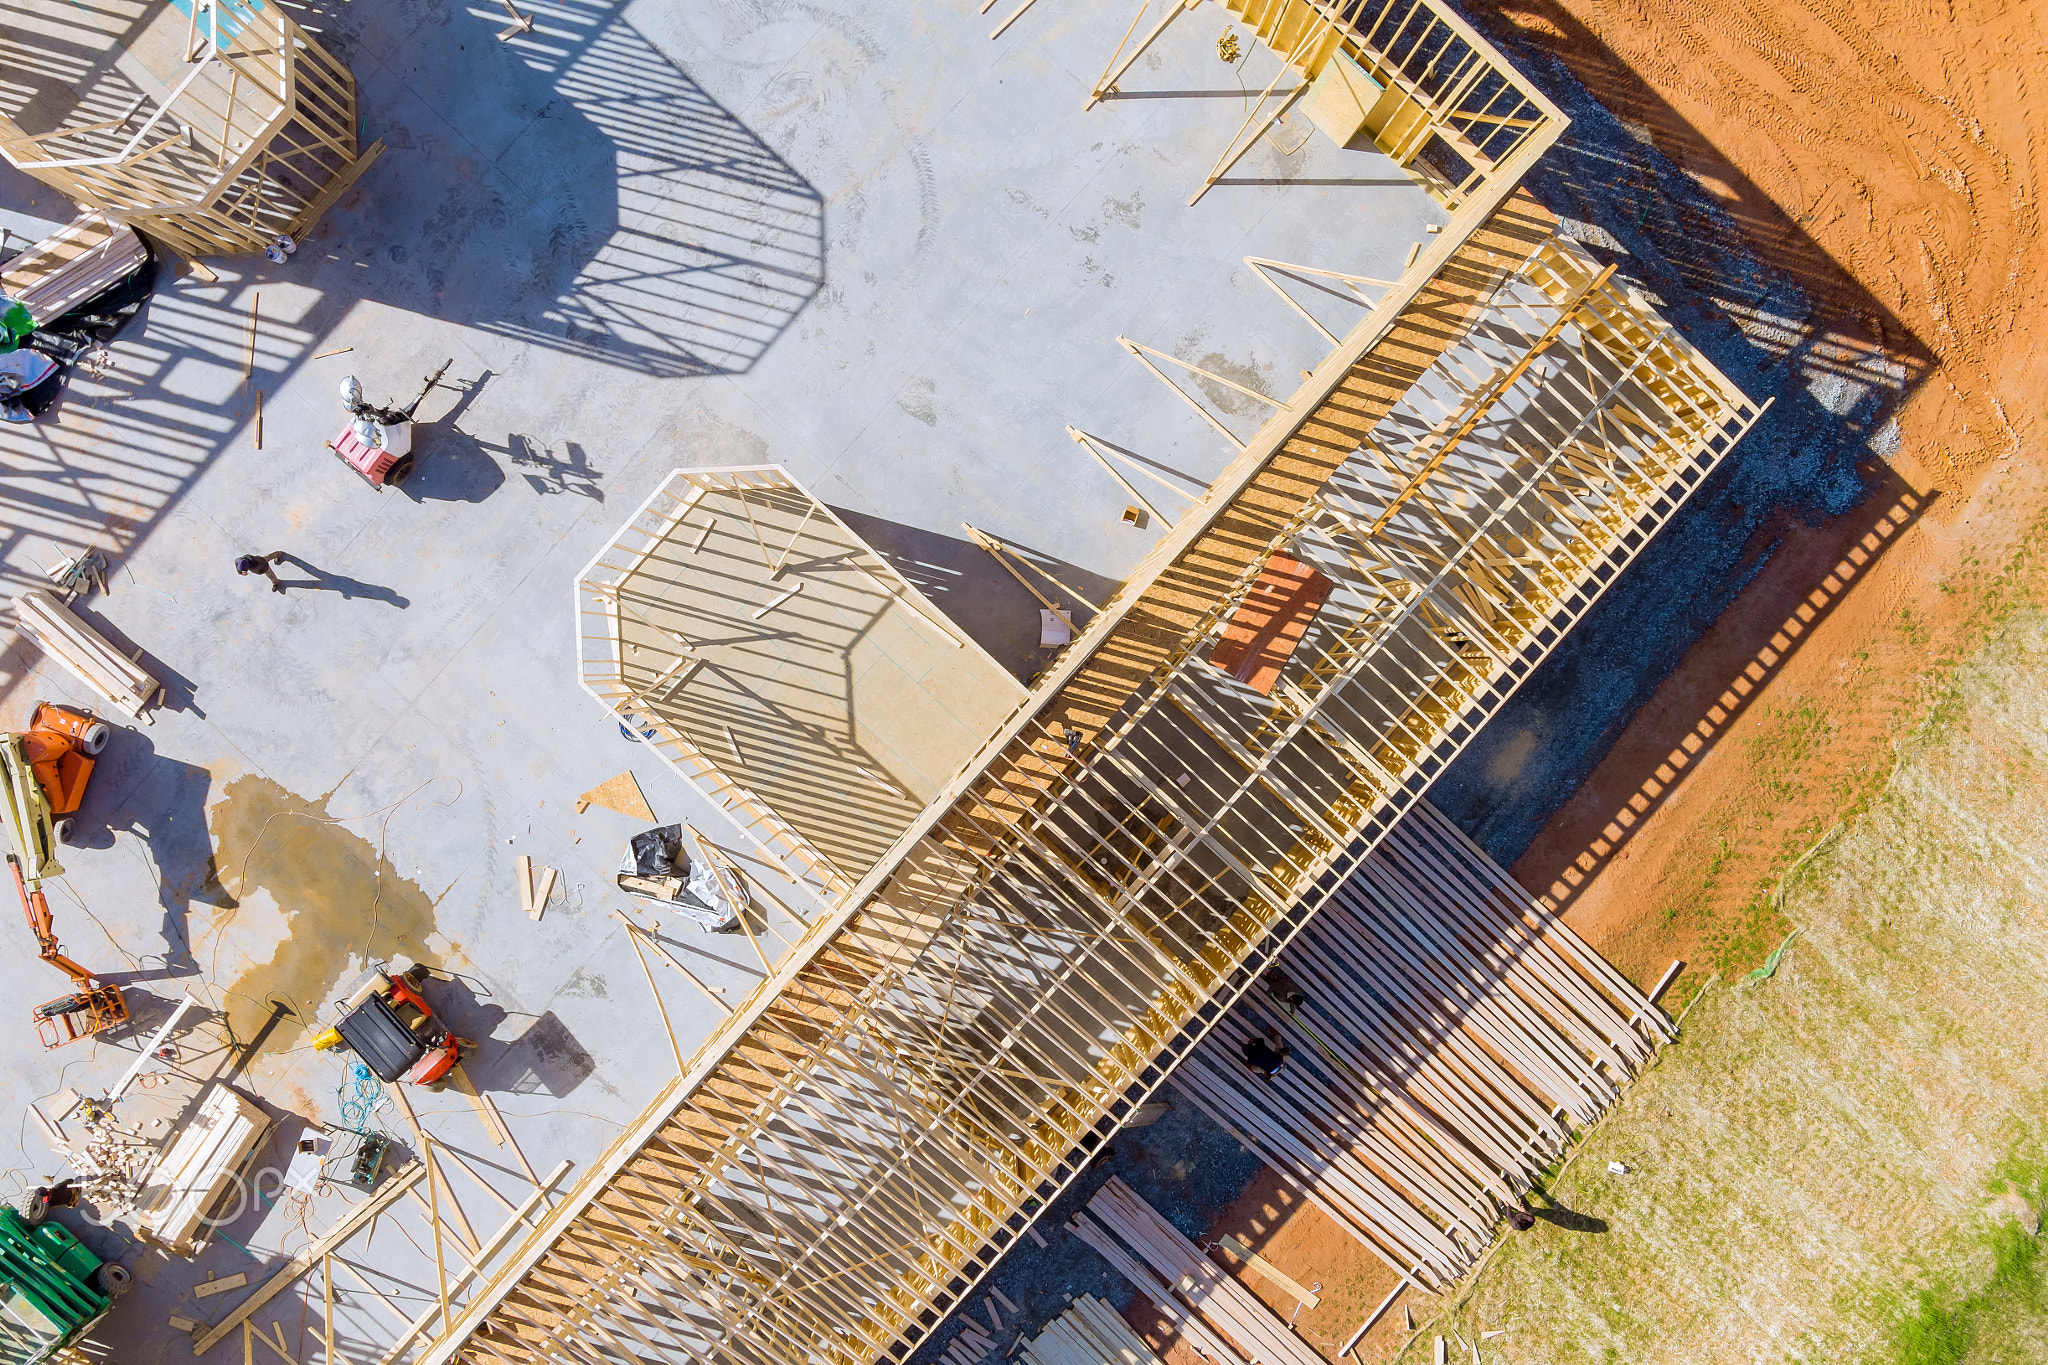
(327, 1304)
(1086, 444)
(633, 937)
(434, 1208)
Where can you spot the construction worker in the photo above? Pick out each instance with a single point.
(249, 564)
(1265, 1057)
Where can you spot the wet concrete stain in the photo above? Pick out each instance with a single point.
(1252, 376)
(342, 905)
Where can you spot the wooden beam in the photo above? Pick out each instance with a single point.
(522, 1217)
(434, 1212)
(989, 544)
(395, 1185)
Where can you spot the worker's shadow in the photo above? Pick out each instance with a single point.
(1557, 1215)
(349, 588)
(162, 802)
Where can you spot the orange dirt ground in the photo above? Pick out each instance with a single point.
(1890, 153)
(1897, 143)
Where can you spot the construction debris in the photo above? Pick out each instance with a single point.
(211, 1286)
(621, 794)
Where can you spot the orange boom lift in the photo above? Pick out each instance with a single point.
(43, 775)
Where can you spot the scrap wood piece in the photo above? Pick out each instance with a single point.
(521, 23)
(1240, 1249)
(395, 1186)
(493, 1126)
(621, 794)
(221, 1286)
(277, 1347)
(538, 900)
(525, 872)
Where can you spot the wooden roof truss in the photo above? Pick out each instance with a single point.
(868, 1133)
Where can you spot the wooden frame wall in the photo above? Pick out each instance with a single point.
(1454, 113)
(258, 139)
(881, 1119)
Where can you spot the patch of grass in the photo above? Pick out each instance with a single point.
(1938, 1335)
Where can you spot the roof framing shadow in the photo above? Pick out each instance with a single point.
(637, 220)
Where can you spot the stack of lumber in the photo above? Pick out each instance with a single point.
(1089, 1333)
(72, 643)
(71, 265)
(1177, 1267)
(1454, 1029)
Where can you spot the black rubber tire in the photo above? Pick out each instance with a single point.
(64, 827)
(113, 1279)
(399, 471)
(96, 736)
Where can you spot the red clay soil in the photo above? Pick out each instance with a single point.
(1895, 145)
(1308, 1247)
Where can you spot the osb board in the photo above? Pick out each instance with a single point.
(1271, 621)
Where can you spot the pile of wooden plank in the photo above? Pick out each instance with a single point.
(118, 679)
(1172, 1272)
(1089, 1333)
(972, 1344)
(1454, 1030)
(71, 265)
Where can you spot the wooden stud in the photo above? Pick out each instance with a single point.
(249, 358)
(633, 937)
(794, 589)
(434, 1207)
(327, 1307)
(988, 543)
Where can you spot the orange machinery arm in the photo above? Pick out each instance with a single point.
(37, 907)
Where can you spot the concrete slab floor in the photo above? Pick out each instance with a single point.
(878, 249)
